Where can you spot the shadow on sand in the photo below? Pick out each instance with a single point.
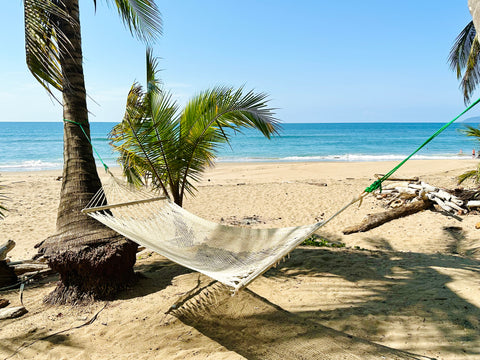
(400, 284)
(405, 284)
(257, 329)
(154, 276)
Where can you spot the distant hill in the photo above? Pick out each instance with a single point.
(473, 119)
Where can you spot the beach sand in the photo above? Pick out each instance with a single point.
(407, 289)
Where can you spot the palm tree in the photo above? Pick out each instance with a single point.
(174, 146)
(464, 57)
(93, 261)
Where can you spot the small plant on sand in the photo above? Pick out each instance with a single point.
(318, 241)
(474, 174)
(174, 145)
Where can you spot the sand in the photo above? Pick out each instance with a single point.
(407, 289)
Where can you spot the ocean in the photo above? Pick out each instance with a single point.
(38, 146)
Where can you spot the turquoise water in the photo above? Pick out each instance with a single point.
(39, 146)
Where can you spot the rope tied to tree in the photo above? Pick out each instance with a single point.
(89, 140)
(377, 184)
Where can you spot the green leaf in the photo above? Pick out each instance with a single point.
(464, 57)
(142, 18)
(43, 41)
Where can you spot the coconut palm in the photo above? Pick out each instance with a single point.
(464, 60)
(93, 261)
(174, 146)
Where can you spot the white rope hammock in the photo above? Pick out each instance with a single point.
(235, 256)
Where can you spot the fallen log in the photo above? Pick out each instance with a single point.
(473, 203)
(439, 202)
(378, 176)
(28, 268)
(454, 205)
(32, 274)
(374, 220)
(13, 312)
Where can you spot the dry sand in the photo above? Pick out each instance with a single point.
(408, 289)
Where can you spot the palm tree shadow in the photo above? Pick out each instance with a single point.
(404, 284)
(255, 328)
(460, 244)
(18, 344)
(153, 276)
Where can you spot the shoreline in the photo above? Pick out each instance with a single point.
(323, 160)
(450, 163)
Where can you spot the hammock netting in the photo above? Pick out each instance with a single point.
(235, 256)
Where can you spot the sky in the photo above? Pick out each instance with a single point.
(318, 60)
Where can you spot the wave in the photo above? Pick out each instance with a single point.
(346, 158)
(36, 165)
(31, 165)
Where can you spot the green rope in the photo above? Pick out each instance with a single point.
(378, 183)
(89, 140)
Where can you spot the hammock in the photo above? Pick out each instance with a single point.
(234, 256)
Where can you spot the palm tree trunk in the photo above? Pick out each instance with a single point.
(93, 261)
(474, 7)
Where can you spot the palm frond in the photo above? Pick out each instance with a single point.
(471, 77)
(208, 114)
(137, 138)
(44, 40)
(141, 17)
(464, 57)
(460, 51)
(473, 175)
(153, 82)
(471, 132)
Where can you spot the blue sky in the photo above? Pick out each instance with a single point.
(320, 61)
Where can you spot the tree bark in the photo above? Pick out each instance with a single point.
(93, 261)
(375, 220)
(474, 7)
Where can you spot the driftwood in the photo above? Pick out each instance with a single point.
(4, 303)
(28, 267)
(409, 198)
(12, 312)
(378, 176)
(473, 203)
(5, 248)
(442, 198)
(375, 220)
